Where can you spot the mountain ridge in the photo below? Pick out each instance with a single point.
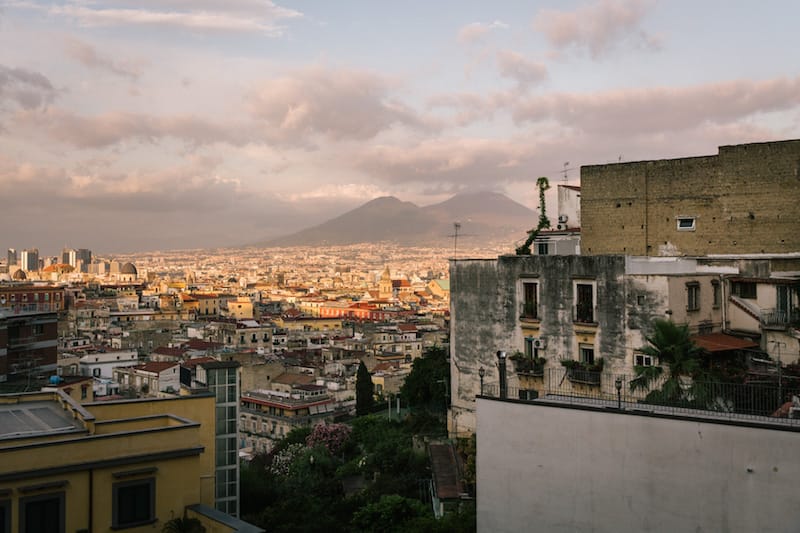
(485, 216)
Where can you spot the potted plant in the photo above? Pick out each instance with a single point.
(533, 366)
(582, 372)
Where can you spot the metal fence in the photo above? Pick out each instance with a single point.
(765, 403)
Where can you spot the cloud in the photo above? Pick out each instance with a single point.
(597, 27)
(336, 104)
(116, 127)
(477, 30)
(637, 110)
(239, 16)
(26, 88)
(89, 57)
(515, 66)
(464, 162)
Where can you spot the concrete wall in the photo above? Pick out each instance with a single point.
(744, 200)
(556, 469)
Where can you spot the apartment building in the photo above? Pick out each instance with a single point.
(129, 465)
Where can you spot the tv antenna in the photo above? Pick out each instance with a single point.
(455, 235)
(566, 165)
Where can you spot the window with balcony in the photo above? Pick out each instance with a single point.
(584, 302)
(587, 354)
(693, 296)
(530, 300)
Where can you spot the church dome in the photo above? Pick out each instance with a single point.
(19, 275)
(128, 268)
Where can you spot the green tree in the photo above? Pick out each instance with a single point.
(393, 513)
(426, 386)
(671, 345)
(365, 390)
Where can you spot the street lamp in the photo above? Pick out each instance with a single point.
(501, 365)
(618, 385)
(481, 373)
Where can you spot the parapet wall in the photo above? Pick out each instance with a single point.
(743, 200)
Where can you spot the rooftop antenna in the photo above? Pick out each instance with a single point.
(456, 227)
(566, 164)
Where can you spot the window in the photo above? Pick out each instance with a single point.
(587, 354)
(640, 359)
(744, 289)
(44, 512)
(692, 296)
(717, 294)
(531, 350)
(5, 515)
(542, 248)
(686, 223)
(584, 302)
(530, 300)
(705, 328)
(640, 299)
(133, 503)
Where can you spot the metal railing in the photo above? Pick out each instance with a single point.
(773, 317)
(765, 403)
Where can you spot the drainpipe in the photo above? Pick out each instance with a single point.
(723, 302)
(501, 366)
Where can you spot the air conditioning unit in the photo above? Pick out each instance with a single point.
(562, 219)
(540, 344)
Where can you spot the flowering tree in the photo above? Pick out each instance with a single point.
(332, 436)
(284, 459)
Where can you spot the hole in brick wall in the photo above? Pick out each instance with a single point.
(618, 204)
(751, 215)
(630, 203)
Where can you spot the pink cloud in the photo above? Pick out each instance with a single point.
(336, 104)
(517, 67)
(597, 27)
(654, 109)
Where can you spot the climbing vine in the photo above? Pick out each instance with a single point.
(525, 249)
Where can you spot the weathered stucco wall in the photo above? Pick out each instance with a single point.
(744, 200)
(485, 317)
(556, 469)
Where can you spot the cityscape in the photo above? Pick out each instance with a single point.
(381, 268)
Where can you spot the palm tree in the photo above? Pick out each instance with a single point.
(672, 347)
(183, 525)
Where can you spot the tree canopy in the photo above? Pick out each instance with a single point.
(365, 390)
(427, 385)
(670, 344)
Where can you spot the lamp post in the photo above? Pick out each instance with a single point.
(501, 365)
(618, 385)
(481, 374)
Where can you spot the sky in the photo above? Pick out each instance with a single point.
(132, 125)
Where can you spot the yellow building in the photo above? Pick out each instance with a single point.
(130, 465)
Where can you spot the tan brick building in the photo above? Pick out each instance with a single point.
(743, 200)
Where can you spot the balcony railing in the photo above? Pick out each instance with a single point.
(584, 313)
(757, 402)
(529, 310)
(775, 318)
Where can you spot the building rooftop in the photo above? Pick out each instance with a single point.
(30, 419)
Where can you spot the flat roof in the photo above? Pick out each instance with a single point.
(28, 419)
